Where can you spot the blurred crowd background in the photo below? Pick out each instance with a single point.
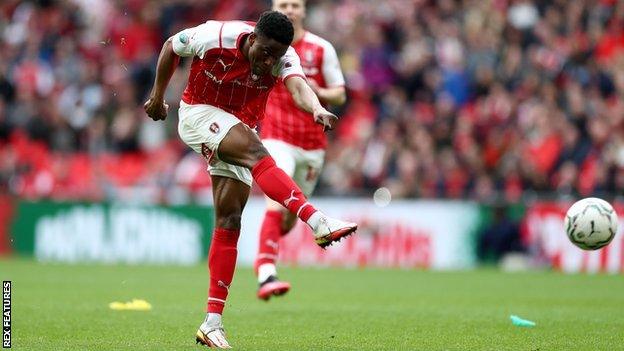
(476, 99)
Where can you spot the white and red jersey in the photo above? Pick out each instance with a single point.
(284, 120)
(221, 75)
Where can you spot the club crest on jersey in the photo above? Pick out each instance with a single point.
(214, 127)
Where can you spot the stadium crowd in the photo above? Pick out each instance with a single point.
(457, 99)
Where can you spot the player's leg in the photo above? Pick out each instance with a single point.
(308, 167)
(304, 167)
(202, 127)
(307, 172)
(242, 147)
(272, 228)
(230, 196)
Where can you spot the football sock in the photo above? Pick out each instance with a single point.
(270, 234)
(221, 263)
(278, 186)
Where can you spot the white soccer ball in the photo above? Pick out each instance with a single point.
(591, 223)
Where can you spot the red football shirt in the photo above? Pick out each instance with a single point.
(221, 75)
(284, 120)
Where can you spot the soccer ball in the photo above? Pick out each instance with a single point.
(591, 223)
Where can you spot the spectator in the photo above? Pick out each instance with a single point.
(458, 99)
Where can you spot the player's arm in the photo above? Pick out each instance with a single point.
(335, 92)
(331, 95)
(155, 106)
(306, 99)
(289, 69)
(188, 43)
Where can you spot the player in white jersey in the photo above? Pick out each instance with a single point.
(293, 139)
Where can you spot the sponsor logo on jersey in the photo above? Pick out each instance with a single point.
(213, 77)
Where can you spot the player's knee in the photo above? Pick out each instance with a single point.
(257, 152)
(230, 221)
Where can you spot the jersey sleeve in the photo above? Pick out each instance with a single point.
(289, 65)
(197, 40)
(331, 67)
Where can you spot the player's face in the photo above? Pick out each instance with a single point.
(264, 53)
(293, 9)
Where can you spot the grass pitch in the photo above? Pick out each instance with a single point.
(62, 307)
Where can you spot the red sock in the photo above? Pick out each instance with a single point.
(221, 263)
(281, 188)
(270, 234)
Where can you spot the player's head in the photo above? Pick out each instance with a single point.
(269, 41)
(295, 10)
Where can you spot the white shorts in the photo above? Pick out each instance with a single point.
(203, 127)
(303, 166)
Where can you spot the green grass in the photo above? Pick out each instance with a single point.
(61, 307)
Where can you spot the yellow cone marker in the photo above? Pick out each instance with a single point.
(134, 305)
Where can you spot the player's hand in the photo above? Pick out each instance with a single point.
(326, 119)
(156, 109)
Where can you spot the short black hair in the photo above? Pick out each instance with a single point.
(275, 25)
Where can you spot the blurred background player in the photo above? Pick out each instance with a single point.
(293, 139)
(235, 66)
